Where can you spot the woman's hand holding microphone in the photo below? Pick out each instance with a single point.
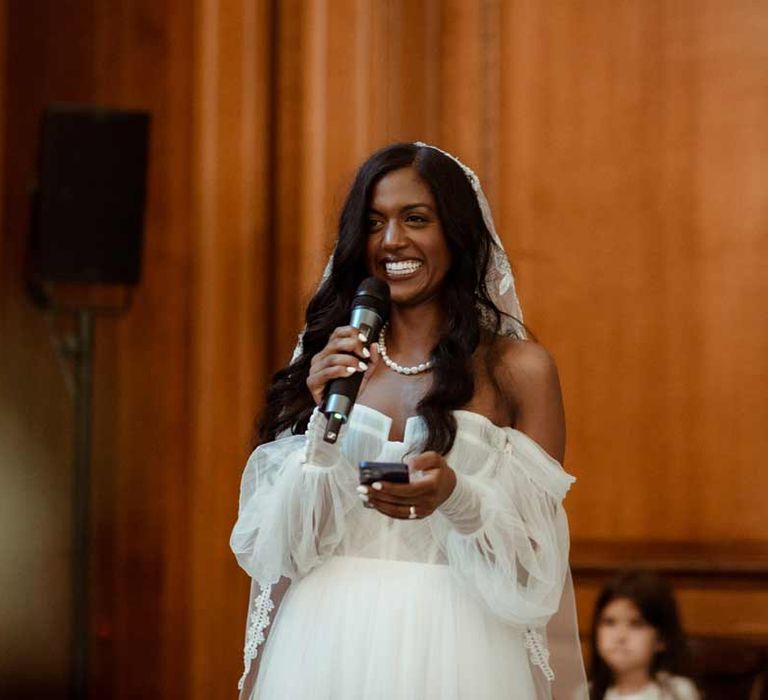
(344, 354)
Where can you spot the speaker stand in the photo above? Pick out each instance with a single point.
(77, 347)
(81, 501)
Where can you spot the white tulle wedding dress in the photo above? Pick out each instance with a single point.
(452, 606)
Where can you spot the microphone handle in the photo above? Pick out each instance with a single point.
(340, 394)
(340, 397)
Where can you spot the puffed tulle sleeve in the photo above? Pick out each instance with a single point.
(504, 530)
(294, 498)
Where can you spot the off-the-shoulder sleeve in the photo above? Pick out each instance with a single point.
(294, 499)
(505, 532)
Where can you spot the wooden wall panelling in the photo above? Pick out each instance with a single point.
(175, 141)
(352, 76)
(599, 205)
(732, 201)
(229, 332)
(469, 82)
(289, 106)
(616, 239)
(414, 91)
(315, 217)
(629, 202)
(35, 409)
(338, 98)
(519, 120)
(143, 441)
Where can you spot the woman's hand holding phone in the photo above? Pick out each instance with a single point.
(418, 498)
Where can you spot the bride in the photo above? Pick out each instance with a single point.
(455, 585)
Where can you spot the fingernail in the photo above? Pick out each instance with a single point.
(362, 366)
(377, 485)
(362, 337)
(366, 352)
(362, 489)
(363, 497)
(351, 369)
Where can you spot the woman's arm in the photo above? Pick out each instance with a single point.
(295, 495)
(504, 529)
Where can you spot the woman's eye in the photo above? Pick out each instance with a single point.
(416, 219)
(373, 223)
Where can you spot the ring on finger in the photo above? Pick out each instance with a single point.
(412, 513)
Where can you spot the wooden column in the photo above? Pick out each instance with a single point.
(143, 53)
(352, 76)
(231, 300)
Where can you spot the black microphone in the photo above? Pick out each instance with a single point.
(370, 311)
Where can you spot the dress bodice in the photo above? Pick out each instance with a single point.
(368, 434)
(479, 443)
(478, 452)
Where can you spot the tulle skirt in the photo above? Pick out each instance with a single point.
(378, 629)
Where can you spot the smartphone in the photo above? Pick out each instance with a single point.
(396, 472)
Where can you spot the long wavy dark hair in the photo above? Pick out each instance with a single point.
(289, 402)
(654, 598)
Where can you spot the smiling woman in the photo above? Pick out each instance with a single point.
(406, 245)
(451, 580)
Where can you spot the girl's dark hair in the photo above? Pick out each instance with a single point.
(654, 598)
(289, 402)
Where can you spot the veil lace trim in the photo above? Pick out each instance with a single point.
(538, 653)
(499, 279)
(258, 621)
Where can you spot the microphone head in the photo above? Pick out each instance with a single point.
(373, 294)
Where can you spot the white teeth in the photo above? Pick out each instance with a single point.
(402, 267)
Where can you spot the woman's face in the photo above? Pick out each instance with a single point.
(406, 245)
(625, 641)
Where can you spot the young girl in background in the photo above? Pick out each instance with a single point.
(637, 642)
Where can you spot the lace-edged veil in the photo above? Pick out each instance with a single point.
(562, 638)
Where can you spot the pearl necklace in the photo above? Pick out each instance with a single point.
(389, 362)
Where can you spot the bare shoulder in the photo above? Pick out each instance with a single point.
(526, 374)
(521, 365)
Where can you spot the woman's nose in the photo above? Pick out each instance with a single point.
(393, 235)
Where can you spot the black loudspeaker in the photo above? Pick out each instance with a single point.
(88, 207)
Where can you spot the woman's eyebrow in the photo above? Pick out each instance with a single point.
(406, 208)
(418, 205)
